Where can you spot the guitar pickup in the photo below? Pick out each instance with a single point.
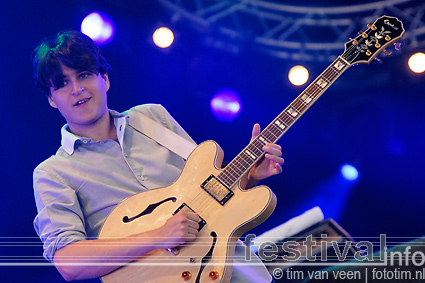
(186, 208)
(217, 190)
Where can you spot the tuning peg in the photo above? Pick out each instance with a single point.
(388, 53)
(379, 60)
(353, 40)
(397, 45)
(371, 26)
(363, 34)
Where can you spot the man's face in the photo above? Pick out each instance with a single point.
(81, 98)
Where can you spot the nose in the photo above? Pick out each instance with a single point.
(77, 89)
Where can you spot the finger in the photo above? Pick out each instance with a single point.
(273, 149)
(191, 234)
(277, 159)
(192, 216)
(193, 225)
(255, 131)
(278, 168)
(269, 146)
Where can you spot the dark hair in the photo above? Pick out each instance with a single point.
(71, 48)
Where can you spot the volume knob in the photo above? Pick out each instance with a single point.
(213, 275)
(186, 275)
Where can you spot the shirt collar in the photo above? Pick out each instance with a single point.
(69, 139)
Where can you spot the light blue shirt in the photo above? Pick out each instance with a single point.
(76, 189)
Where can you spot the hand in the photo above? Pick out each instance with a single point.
(270, 164)
(179, 229)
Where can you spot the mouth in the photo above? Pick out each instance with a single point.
(80, 102)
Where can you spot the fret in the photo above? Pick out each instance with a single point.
(322, 83)
(282, 119)
(257, 147)
(242, 163)
(339, 65)
(316, 89)
(269, 133)
(313, 92)
(231, 176)
(305, 98)
(286, 119)
(275, 132)
(331, 74)
(299, 105)
(262, 139)
(280, 124)
(236, 169)
(222, 178)
(293, 112)
(334, 71)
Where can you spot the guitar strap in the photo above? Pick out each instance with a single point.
(160, 134)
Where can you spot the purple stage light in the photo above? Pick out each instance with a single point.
(225, 105)
(99, 27)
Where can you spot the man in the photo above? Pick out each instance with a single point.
(103, 160)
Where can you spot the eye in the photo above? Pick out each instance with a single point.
(60, 84)
(84, 75)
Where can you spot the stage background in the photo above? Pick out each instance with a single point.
(372, 117)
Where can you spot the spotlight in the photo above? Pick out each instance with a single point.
(225, 105)
(298, 75)
(349, 172)
(163, 37)
(99, 27)
(417, 62)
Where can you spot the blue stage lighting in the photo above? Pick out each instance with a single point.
(99, 27)
(225, 105)
(349, 172)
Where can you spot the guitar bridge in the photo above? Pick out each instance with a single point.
(217, 190)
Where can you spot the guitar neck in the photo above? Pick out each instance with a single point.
(242, 163)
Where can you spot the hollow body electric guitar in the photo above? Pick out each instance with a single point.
(226, 211)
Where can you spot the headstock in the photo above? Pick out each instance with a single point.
(365, 47)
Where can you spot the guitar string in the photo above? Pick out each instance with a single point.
(203, 198)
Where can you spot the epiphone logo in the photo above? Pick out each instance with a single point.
(387, 22)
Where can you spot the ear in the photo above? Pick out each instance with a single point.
(107, 83)
(52, 102)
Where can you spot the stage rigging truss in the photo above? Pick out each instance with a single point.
(292, 32)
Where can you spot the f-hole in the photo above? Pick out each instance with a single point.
(148, 210)
(207, 257)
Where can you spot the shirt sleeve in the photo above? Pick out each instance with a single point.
(59, 221)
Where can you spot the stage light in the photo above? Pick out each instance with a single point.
(298, 75)
(163, 37)
(99, 27)
(225, 105)
(349, 172)
(417, 62)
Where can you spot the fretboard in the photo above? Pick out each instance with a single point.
(242, 163)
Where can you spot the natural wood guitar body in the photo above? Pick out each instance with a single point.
(215, 242)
